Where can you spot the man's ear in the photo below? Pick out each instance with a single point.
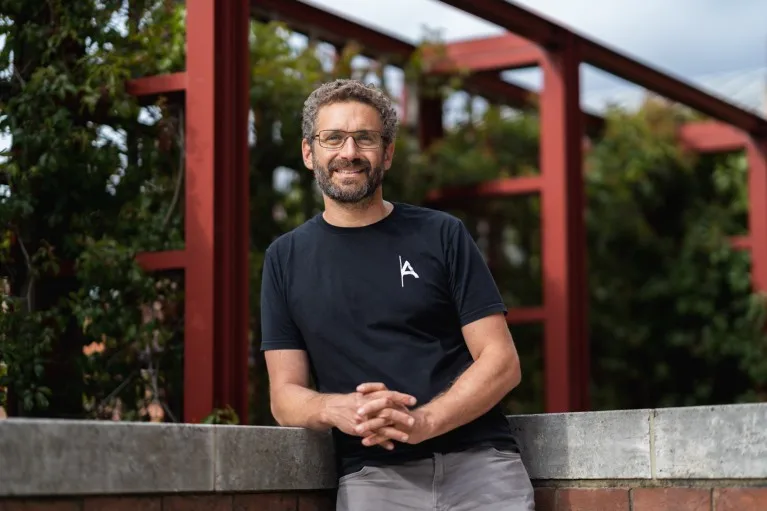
(306, 152)
(388, 156)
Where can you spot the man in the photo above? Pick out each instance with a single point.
(393, 313)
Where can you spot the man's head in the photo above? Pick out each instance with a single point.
(349, 130)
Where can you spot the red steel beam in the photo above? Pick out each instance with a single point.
(217, 211)
(332, 28)
(503, 187)
(712, 137)
(336, 29)
(199, 318)
(563, 238)
(165, 260)
(517, 316)
(486, 54)
(548, 34)
(149, 88)
(756, 151)
(741, 242)
(231, 206)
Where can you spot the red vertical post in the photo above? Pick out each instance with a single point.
(566, 354)
(430, 121)
(199, 212)
(232, 193)
(756, 151)
(217, 193)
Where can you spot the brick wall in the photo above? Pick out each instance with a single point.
(651, 499)
(676, 459)
(547, 499)
(282, 501)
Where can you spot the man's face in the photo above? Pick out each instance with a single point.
(348, 170)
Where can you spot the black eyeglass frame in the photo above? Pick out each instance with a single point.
(381, 140)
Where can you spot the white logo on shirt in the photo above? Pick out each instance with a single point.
(405, 269)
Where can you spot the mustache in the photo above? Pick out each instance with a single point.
(345, 163)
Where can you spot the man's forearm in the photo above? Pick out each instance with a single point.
(478, 389)
(297, 406)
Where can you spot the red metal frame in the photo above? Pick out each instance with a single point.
(215, 84)
(550, 35)
(756, 150)
(215, 87)
(497, 53)
(563, 233)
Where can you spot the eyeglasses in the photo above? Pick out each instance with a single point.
(335, 139)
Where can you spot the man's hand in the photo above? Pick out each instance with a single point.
(386, 421)
(347, 411)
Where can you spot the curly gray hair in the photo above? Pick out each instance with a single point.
(342, 90)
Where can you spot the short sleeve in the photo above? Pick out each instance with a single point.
(278, 330)
(472, 286)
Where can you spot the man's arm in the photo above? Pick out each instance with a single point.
(493, 374)
(495, 368)
(293, 403)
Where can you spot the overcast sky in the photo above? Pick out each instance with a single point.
(687, 38)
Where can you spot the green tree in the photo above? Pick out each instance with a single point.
(88, 188)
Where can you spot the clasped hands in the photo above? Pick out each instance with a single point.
(379, 416)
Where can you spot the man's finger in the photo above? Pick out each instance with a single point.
(372, 425)
(370, 387)
(388, 417)
(396, 397)
(385, 433)
(398, 417)
(375, 406)
(376, 389)
(381, 440)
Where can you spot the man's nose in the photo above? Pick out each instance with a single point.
(349, 150)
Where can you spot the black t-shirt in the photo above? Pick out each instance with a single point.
(384, 302)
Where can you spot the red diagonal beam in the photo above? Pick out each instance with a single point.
(486, 54)
(548, 34)
(330, 27)
(336, 29)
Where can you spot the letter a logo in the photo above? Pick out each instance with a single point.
(405, 269)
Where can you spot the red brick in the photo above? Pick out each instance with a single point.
(545, 498)
(265, 502)
(740, 499)
(41, 505)
(197, 503)
(317, 501)
(671, 499)
(122, 504)
(572, 499)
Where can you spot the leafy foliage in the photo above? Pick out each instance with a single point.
(88, 189)
(93, 178)
(671, 307)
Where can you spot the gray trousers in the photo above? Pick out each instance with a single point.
(475, 480)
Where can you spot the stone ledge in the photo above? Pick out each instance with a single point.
(575, 445)
(57, 457)
(727, 442)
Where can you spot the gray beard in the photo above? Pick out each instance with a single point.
(350, 195)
